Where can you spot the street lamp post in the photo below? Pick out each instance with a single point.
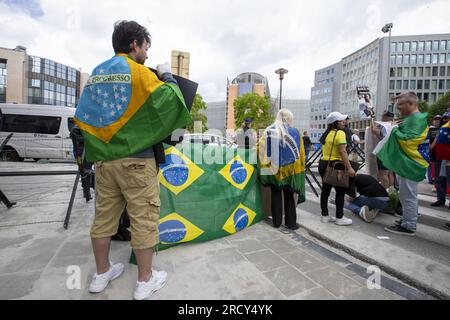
(388, 28)
(281, 72)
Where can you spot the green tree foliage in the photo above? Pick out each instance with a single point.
(253, 106)
(424, 107)
(441, 106)
(197, 115)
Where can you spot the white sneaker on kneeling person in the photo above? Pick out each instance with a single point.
(100, 281)
(144, 290)
(344, 221)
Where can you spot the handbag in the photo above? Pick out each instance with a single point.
(333, 176)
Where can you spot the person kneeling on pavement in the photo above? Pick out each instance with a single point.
(372, 198)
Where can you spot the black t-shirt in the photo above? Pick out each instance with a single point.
(369, 186)
(307, 142)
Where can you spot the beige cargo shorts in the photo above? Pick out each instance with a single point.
(132, 183)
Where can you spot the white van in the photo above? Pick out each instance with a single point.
(39, 132)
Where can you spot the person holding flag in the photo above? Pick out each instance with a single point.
(441, 148)
(400, 152)
(123, 112)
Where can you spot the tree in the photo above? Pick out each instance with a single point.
(441, 106)
(423, 106)
(253, 106)
(197, 115)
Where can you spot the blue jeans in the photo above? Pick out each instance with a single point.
(372, 203)
(441, 182)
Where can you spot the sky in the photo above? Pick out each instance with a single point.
(225, 38)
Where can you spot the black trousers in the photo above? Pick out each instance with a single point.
(326, 191)
(290, 214)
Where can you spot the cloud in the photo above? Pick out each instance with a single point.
(225, 38)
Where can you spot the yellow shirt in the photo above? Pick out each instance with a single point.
(340, 139)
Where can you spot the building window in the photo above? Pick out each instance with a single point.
(399, 59)
(412, 85)
(427, 72)
(36, 83)
(405, 85)
(406, 72)
(36, 61)
(420, 72)
(426, 96)
(448, 84)
(427, 58)
(433, 98)
(428, 46)
(393, 47)
(421, 46)
(392, 73)
(393, 59)
(400, 47)
(414, 46)
(413, 72)
(399, 72)
(399, 85)
(443, 46)
(435, 58)
(427, 85)
(442, 58)
(442, 71)
(392, 85)
(420, 59)
(434, 85)
(406, 59)
(435, 45)
(419, 84)
(413, 59)
(407, 46)
(435, 71)
(448, 71)
(441, 84)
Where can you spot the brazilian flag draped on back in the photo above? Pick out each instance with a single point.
(125, 109)
(402, 151)
(282, 164)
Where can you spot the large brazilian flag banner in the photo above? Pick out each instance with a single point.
(207, 193)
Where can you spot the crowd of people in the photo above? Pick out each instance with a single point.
(126, 178)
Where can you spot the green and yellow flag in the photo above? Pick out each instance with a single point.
(207, 193)
(402, 151)
(125, 109)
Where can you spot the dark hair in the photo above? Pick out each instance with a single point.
(125, 32)
(333, 126)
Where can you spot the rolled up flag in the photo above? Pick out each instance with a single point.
(403, 152)
(125, 109)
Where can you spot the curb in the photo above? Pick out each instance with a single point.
(383, 266)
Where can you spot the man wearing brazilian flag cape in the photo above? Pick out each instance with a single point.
(123, 112)
(402, 152)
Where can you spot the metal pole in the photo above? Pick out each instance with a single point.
(281, 91)
(72, 199)
(389, 72)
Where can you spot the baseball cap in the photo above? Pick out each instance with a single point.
(336, 116)
(436, 117)
(446, 115)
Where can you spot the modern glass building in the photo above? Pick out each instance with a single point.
(27, 79)
(418, 63)
(244, 83)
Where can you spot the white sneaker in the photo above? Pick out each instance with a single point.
(344, 222)
(328, 219)
(144, 290)
(100, 281)
(364, 212)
